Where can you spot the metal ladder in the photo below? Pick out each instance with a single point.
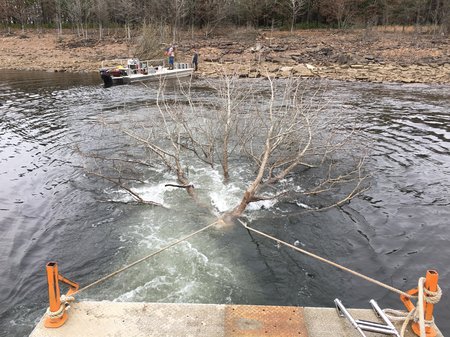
(362, 325)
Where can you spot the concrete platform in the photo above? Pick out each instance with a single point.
(114, 319)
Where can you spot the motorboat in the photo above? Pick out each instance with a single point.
(126, 71)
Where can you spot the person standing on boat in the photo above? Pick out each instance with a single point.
(171, 53)
(195, 60)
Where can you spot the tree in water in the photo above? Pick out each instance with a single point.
(277, 129)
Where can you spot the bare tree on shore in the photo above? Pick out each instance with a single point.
(294, 8)
(208, 15)
(339, 11)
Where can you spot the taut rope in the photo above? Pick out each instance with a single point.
(417, 314)
(317, 257)
(143, 259)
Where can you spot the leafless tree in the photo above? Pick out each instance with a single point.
(253, 12)
(20, 10)
(445, 17)
(281, 130)
(100, 11)
(227, 118)
(291, 134)
(5, 12)
(59, 17)
(209, 14)
(149, 43)
(177, 11)
(340, 10)
(125, 12)
(294, 8)
(79, 11)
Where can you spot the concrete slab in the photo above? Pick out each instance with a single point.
(114, 319)
(324, 322)
(270, 321)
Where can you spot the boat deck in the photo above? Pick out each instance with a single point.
(205, 320)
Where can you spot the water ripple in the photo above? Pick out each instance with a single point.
(50, 210)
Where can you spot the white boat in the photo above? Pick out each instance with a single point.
(123, 71)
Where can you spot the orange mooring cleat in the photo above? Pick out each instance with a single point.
(56, 313)
(431, 284)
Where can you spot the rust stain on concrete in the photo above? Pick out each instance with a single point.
(258, 321)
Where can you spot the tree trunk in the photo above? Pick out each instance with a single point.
(100, 31)
(292, 22)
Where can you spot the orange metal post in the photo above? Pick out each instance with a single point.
(54, 296)
(431, 281)
(431, 284)
(407, 301)
(58, 314)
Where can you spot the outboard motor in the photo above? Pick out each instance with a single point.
(106, 77)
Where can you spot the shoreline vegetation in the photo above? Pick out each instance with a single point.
(379, 54)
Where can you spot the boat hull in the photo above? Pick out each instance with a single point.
(159, 75)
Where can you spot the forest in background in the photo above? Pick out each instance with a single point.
(206, 16)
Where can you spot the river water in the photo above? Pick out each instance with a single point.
(50, 210)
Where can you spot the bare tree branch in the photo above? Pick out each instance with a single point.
(279, 130)
(117, 182)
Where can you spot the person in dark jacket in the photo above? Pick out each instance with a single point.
(195, 60)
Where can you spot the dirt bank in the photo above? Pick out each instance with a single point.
(376, 55)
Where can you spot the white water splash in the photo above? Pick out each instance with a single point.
(263, 204)
(152, 192)
(302, 205)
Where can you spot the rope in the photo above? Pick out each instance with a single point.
(65, 301)
(417, 314)
(58, 313)
(433, 297)
(381, 284)
(143, 259)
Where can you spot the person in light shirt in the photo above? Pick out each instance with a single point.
(171, 54)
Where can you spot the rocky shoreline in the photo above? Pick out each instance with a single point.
(377, 73)
(348, 56)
